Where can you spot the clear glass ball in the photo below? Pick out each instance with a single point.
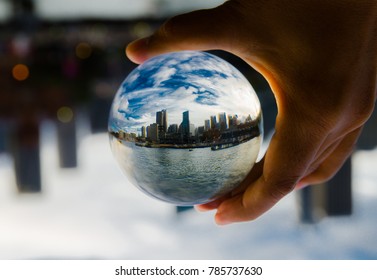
(186, 127)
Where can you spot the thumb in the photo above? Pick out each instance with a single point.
(198, 30)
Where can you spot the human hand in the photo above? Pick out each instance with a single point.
(320, 60)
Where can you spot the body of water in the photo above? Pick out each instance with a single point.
(186, 176)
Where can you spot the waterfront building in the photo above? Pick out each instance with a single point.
(153, 132)
(143, 132)
(207, 125)
(173, 128)
(223, 121)
(233, 121)
(213, 122)
(185, 126)
(162, 121)
(192, 129)
(199, 131)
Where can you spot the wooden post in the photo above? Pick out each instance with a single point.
(26, 155)
(67, 143)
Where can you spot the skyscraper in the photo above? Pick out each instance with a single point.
(233, 121)
(207, 125)
(173, 128)
(223, 121)
(213, 122)
(185, 125)
(162, 122)
(143, 132)
(152, 131)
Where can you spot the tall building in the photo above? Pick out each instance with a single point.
(185, 125)
(173, 128)
(143, 132)
(223, 121)
(192, 129)
(162, 121)
(207, 125)
(199, 131)
(153, 132)
(213, 122)
(233, 121)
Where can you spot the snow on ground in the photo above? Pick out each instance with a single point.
(92, 212)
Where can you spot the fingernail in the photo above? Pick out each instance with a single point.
(136, 50)
(208, 206)
(221, 220)
(200, 208)
(301, 185)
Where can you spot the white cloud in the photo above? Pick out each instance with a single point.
(163, 74)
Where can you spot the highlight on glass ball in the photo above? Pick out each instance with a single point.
(186, 127)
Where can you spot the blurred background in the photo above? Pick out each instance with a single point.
(62, 195)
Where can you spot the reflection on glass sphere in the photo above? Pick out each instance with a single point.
(186, 127)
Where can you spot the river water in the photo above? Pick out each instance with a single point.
(183, 176)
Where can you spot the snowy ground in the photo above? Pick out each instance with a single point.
(92, 212)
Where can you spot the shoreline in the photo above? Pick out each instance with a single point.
(173, 146)
(214, 145)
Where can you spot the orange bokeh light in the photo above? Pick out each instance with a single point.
(83, 50)
(20, 72)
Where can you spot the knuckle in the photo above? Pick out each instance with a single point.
(321, 175)
(324, 175)
(168, 29)
(363, 112)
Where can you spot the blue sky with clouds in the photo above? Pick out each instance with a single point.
(198, 82)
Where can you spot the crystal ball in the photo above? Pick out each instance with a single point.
(186, 127)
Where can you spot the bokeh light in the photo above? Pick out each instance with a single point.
(64, 114)
(83, 50)
(141, 29)
(20, 72)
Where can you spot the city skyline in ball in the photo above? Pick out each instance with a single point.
(198, 82)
